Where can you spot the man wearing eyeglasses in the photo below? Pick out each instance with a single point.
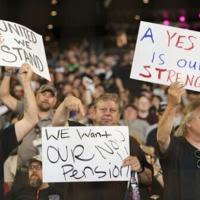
(36, 188)
(179, 156)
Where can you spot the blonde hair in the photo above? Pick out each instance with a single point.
(108, 96)
(188, 115)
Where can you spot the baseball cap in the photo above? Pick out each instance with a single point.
(37, 158)
(47, 87)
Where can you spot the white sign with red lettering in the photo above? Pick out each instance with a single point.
(166, 54)
(84, 153)
(19, 44)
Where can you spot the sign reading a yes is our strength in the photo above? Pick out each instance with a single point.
(166, 54)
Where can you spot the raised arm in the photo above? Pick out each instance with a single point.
(61, 115)
(5, 95)
(30, 117)
(165, 125)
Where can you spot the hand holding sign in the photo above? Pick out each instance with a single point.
(8, 71)
(25, 74)
(175, 92)
(133, 162)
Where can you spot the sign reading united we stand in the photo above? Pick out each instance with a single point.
(166, 54)
(19, 44)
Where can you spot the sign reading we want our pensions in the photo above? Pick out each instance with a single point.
(166, 54)
(19, 44)
(77, 154)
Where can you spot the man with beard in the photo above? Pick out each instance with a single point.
(35, 189)
(46, 100)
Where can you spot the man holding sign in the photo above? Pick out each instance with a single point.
(107, 113)
(11, 136)
(180, 156)
(46, 98)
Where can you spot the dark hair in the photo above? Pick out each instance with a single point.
(132, 106)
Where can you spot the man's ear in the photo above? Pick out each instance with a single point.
(188, 125)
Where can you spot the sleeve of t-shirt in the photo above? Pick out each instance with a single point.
(116, 72)
(171, 150)
(8, 140)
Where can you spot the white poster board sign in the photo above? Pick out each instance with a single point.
(165, 54)
(77, 154)
(19, 44)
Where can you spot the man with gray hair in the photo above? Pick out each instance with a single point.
(180, 156)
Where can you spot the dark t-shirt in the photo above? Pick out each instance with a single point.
(106, 190)
(8, 142)
(152, 140)
(123, 72)
(29, 193)
(181, 174)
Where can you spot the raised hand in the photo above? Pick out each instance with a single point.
(175, 92)
(73, 103)
(25, 74)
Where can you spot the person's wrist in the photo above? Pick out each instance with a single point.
(157, 173)
(8, 73)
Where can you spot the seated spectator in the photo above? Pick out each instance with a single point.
(36, 189)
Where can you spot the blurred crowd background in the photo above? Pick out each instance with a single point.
(90, 47)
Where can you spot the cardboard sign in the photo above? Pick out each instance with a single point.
(165, 54)
(19, 44)
(77, 154)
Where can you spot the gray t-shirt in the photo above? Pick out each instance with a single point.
(26, 149)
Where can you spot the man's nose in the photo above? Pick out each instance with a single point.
(107, 112)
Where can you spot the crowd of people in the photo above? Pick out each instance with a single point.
(87, 88)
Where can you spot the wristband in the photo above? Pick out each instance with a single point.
(9, 74)
(159, 173)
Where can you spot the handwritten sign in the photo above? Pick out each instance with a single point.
(77, 154)
(165, 54)
(19, 44)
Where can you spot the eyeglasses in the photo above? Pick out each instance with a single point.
(197, 155)
(36, 167)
